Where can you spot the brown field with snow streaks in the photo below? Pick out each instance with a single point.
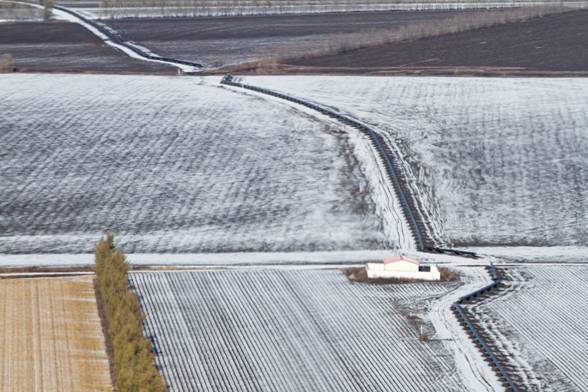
(50, 336)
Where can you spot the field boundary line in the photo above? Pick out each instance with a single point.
(390, 161)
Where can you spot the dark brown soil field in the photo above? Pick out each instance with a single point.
(65, 47)
(551, 43)
(231, 40)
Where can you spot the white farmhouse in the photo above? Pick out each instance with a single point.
(402, 267)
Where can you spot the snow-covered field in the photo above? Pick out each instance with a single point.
(498, 161)
(538, 254)
(198, 260)
(541, 323)
(172, 165)
(295, 330)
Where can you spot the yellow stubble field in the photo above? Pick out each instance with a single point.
(50, 336)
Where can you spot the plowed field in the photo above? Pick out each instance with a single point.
(287, 331)
(553, 43)
(218, 41)
(66, 47)
(174, 166)
(505, 158)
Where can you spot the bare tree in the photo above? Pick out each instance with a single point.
(47, 9)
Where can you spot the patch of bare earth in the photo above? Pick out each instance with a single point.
(51, 337)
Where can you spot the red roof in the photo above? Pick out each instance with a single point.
(395, 259)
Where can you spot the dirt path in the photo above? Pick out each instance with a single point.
(51, 338)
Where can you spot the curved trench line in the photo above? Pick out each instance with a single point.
(468, 323)
(389, 160)
(486, 350)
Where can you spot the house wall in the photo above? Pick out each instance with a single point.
(403, 266)
(377, 271)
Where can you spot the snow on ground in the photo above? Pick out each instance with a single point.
(529, 254)
(317, 259)
(388, 207)
(171, 165)
(498, 161)
(541, 323)
(62, 15)
(295, 330)
(203, 259)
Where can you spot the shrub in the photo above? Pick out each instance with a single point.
(423, 337)
(447, 275)
(132, 356)
(6, 63)
(356, 274)
(47, 9)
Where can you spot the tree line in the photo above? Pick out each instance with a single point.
(133, 361)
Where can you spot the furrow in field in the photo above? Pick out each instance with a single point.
(544, 319)
(184, 168)
(499, 161)
(279, 330)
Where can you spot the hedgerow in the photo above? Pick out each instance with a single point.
(133, 361)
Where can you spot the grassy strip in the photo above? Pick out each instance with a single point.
(104, 325)
(133, 360)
